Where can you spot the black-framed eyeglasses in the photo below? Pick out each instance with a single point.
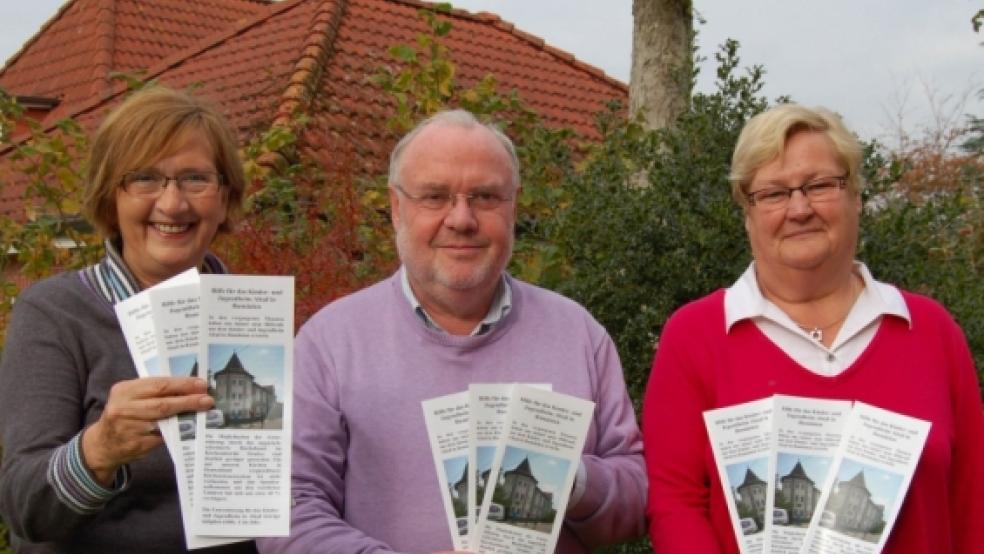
(438, 200)
(823, 189)
(147, 183)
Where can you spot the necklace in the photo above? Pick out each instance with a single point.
(816, 333)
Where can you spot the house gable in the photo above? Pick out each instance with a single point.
(75, 52)
(267, 61)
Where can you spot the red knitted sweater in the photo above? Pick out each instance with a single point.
(925, 371)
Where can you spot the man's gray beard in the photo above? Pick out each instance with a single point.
(427, 273)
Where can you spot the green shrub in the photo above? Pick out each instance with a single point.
(923, 230)
(636, 248)
(651, 225)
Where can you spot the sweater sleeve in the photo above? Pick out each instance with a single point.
(46, 492)
(319, 462)
(966, 478)
(676, 441)
(611, 508)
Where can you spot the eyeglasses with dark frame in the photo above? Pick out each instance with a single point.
(147, 183)
(442, 200)
(823, 189)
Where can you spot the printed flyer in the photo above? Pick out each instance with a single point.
(243, 445)
(534, 468)
(489, 407)
(806, 433)
(868, 481)
(137, 323)
(176, 313)
(741, 439)
(447, 420)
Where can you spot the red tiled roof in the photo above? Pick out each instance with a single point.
(317, 56)
(247, 69)
(565, 92)
(73, 54)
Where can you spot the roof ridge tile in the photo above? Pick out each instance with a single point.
(311, 64)
(491, 17)
(562, 54)
(502, 25)
(507, 26)
(105, 35)
(532, 39)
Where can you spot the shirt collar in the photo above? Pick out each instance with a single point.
(501, 304)
(744, 299)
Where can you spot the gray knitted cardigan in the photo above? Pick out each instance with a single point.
(64, 351)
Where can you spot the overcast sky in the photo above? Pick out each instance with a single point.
(870, 60)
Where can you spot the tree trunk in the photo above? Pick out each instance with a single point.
(662, 68)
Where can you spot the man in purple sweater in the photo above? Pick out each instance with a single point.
(363, 476)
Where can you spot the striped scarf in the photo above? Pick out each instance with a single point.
(112, 279)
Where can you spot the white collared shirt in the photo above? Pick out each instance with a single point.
(501, 304)
(744, 300)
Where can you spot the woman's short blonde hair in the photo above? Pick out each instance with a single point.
(764, 138)
(148, 126)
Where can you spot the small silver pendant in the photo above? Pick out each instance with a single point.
(816, 334)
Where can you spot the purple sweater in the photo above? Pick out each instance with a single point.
(363, 475)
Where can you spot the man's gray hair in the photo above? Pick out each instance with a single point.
(452, 118)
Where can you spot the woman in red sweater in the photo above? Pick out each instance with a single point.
(807, 319)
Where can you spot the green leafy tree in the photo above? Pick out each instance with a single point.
(975, 140)
(782, 502)
(500, 497)
(307, 214)
(635, 253)
(923, 230)
(975, 128)
(45, 169)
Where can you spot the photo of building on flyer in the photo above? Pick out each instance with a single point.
(244, 380)
(185, 365)
(861, 496)
(456, 473)
(748, 490)
(798, 481)
(527, 485)
(484, 456)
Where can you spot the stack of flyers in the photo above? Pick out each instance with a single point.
(232, 463)
(506, 456)
(812, 476)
